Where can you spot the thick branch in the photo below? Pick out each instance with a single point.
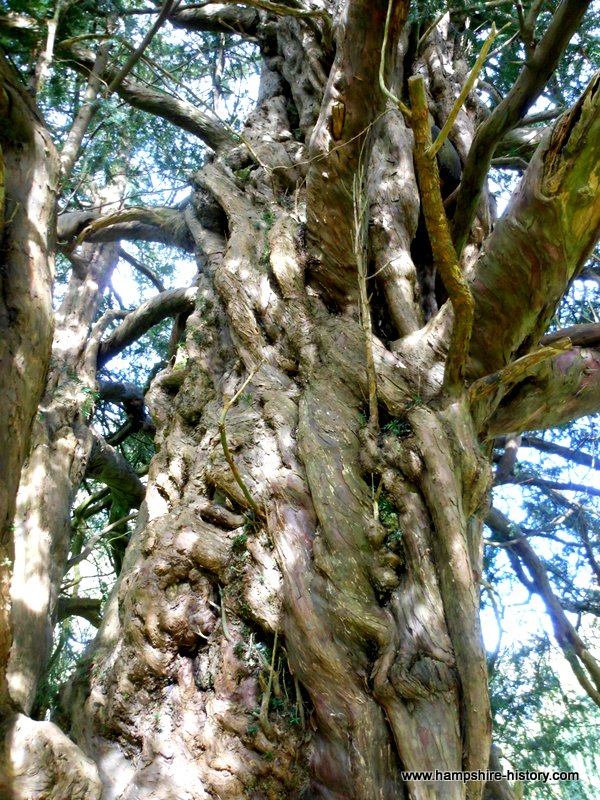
(558, 390)
(580, 335)
(86, 607)
(135, 324)
(14, 21)
(158, 224)
(351, 103)
(108, 466)
(217, 17)
(549, 228)
(533, 77)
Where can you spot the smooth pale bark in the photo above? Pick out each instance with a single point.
(60, 447)
(28, 176)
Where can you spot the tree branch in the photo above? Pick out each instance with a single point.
(108, 466)
(131, 399)
(531, 81)
(556, 391)
(14, 21)
(86, 607)
(137, 322)
(217, 17)
(548, 230)
(587, 335)
(143, 270)
(138, 52)
(585, 667)
(89, 548)
(161, 104)
(151, 224)
(444, 254)
(352, 102)
(576, 456)
(71, 147)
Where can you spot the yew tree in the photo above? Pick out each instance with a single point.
(363, 349)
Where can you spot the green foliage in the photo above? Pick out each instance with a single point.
(399, 427)
(542, 722)
(239, 542)
(388, 516)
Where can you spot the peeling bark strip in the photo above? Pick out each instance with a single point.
(30, 170)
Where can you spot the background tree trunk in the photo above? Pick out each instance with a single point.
(28, 185)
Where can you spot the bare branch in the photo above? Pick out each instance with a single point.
(585, 667)
(143, 269)
(89, 548)
(576, 456)
(166, 304)
(529, 85)
(131, 399)
(561, 486)
(161, 104)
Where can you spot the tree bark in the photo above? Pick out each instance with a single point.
(60, 448)
(28, 178)
(297, 613)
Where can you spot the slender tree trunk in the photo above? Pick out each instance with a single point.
(28, 184)
(60, 447)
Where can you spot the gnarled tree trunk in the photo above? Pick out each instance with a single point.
(298, 609)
